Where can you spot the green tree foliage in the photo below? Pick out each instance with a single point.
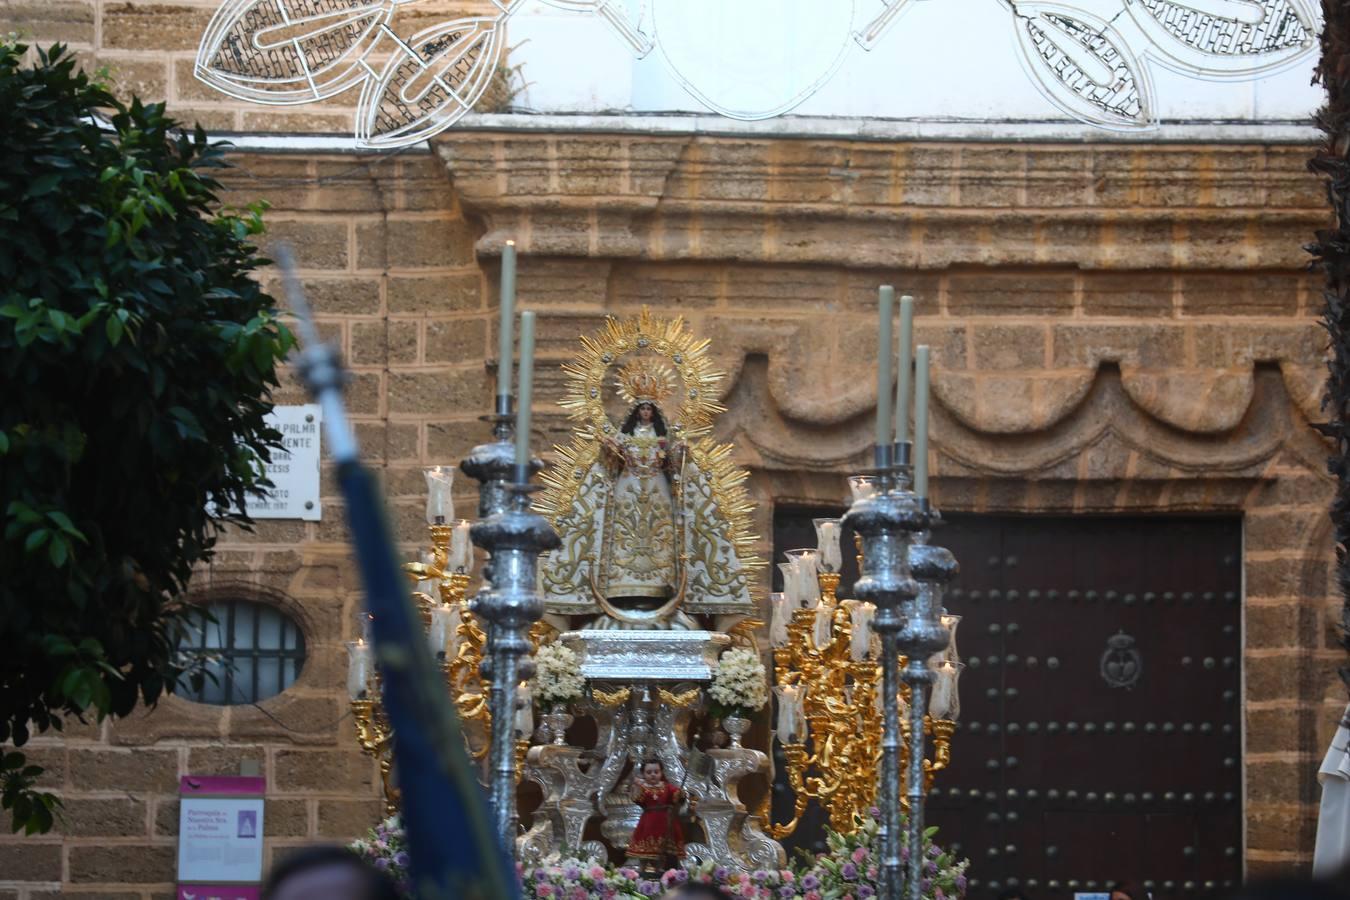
(137, 357)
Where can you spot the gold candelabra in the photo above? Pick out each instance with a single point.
(461, 666)
(838, 697)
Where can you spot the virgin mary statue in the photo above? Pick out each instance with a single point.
(651, 513)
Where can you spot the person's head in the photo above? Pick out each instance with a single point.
(645, 413)
(326, 872)
(1120, 890)
(693, 891)
(653, 770)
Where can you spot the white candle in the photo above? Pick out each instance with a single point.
(507, 320)
(438, 634)
(808, 587)
(904, 369)
(461, 548)
(789, 570)
(524, 710)
(823, 630)
(431, 588)
(440, 504)
(526, 389)
(790, 719)
(943, 702)
(780, 607)
(827, 538)
(358, 669)
(885, 341)
(862, 487)
(921, 421)
(860, 638)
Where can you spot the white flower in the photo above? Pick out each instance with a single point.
(557, 677)
(740, 680)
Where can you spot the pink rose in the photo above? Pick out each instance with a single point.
(597, 872)
(860, 854)
(812, 895)
(543, 890)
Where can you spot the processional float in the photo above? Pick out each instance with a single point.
(621, 604)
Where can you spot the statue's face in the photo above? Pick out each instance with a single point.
(645, 413)
(651, 773)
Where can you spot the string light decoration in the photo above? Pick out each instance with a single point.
(1092, 60)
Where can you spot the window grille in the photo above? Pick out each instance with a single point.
(252, 651)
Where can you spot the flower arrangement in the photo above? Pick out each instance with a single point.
(557, 677)
(385, 848)
(740, 685)
(846, 871)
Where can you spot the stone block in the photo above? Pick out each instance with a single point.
(997, 346)
(316, 244)
(1010, 293)
(1273, 677)
(1127, 294)
(948, 344)
(784, 289)
(439, 392)
(30, 860)
(1282, 529)
(414, 243)
(154, 771)
(665, 286)
(1058, 177)
(390, 341)
(347, 820)
(123, 864)
(929, 176)
(341, 296)
(157, 27)
(1287, 577)
(1282, 781)
(1291, 624)
(456, 341)
(1151, 345)
(1274, 730)
(990, 176)
(348, 772)
(146, 79)
(1239, 293)
(90, 817)
(1281, 828)
(434, 293)
(224, 759)
(389, 442)
(47, 21)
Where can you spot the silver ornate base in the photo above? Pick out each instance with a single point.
(660, 672)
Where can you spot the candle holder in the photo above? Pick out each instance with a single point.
(886, 522)
(509, 603)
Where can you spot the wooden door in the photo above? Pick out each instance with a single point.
(1100, 728)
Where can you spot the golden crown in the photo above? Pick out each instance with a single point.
(646, 381)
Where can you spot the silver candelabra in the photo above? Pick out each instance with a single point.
(509, 601)
(904, 576)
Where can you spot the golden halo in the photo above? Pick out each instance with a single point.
(646, 336)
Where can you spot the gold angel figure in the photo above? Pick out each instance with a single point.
(652, 514)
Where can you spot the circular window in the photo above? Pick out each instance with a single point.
(250, 651)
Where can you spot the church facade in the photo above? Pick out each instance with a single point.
(1120, 331)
